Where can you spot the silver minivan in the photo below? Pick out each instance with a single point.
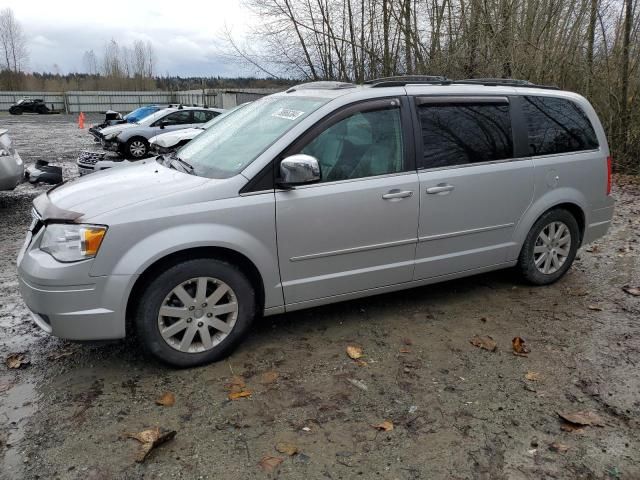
(326, 192)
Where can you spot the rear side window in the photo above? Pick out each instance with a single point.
(557, 125)
(465, 133)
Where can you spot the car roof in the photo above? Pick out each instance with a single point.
(414, 86)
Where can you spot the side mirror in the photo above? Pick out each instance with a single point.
(299, 169)
(163, 123)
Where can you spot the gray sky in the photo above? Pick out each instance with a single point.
(186, 35)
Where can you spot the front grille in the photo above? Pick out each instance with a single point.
(87, 157)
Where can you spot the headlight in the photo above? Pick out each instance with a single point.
(71, 242)
(111, 136)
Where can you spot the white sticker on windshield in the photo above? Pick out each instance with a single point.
(287, 114)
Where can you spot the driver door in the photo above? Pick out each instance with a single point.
(356, 229)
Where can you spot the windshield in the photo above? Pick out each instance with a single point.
(215, 120)
(140, 113)
(227, 147)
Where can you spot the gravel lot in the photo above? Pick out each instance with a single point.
(458, 411)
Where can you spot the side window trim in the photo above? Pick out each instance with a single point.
(418, 100)
(519, 128)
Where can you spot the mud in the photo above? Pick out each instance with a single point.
(458, 412)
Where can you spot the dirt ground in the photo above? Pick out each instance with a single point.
(458, 411)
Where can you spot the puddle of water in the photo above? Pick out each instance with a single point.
(16, 406)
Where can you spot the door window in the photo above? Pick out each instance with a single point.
(465, 133)
(557, 125)
(362, 145)
(181, 117)
(200, 116)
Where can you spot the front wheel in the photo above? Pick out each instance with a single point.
(15, 111)
(136, 148)
(195, 312)
(550, 247)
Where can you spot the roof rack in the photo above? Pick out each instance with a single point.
(322, 85)
(402, 80)
(507, 82)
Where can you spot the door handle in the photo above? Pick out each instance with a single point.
(441, 188)
(395, 194)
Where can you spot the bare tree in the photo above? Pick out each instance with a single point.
(14, 47)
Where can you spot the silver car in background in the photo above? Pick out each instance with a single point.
(326, 192)
(131, 140)
(11, 165)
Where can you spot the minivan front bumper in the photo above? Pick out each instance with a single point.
(68, 303)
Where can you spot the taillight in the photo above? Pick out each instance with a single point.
(609, 162)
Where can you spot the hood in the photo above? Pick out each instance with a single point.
(118, 128)
(170, 139)
(102, 192)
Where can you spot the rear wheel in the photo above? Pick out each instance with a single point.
(195, 312)
(550, 247)
(136, 148)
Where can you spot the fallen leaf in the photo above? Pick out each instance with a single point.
(571, 427)
(287, 448)
(593, 249)
(354, 351)
(558, 447)
(520, 347)
(166, 400)
(358, 383)
(405, 350)
(584, 417)
(236, 383)
(240, 394)
(533, 376)
(269, 464)
(385, 426)
(361, 363)
(269, 377)
(595, 308)
(59, 355)
(150, 439)
(485, 342)
(17, 360)
(635, 291)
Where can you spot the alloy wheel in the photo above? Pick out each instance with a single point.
(137, 149)
(552, 247)
(198, 314)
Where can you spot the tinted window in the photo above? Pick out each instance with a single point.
(458, 134)
(557, 125)
(178, 118)
(362, 145)
(200, 116)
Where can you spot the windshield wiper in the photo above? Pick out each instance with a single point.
(185, 166)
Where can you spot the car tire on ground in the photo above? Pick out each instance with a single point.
(15, 111)
(136, 148)
(550, 247)
(195, 312)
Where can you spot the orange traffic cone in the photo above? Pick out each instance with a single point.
(81, 120)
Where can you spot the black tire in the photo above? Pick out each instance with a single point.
(134, 142)
(15, 111)
(42, 110)
(148, 308)
(526, 262)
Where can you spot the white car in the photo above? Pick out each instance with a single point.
(11, 166)
(170, 141)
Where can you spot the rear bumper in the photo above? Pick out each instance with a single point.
(599, 223)
(11, 171)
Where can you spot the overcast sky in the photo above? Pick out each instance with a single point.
(186, 35)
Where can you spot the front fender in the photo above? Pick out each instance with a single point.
(150, 249)
(540, 205)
